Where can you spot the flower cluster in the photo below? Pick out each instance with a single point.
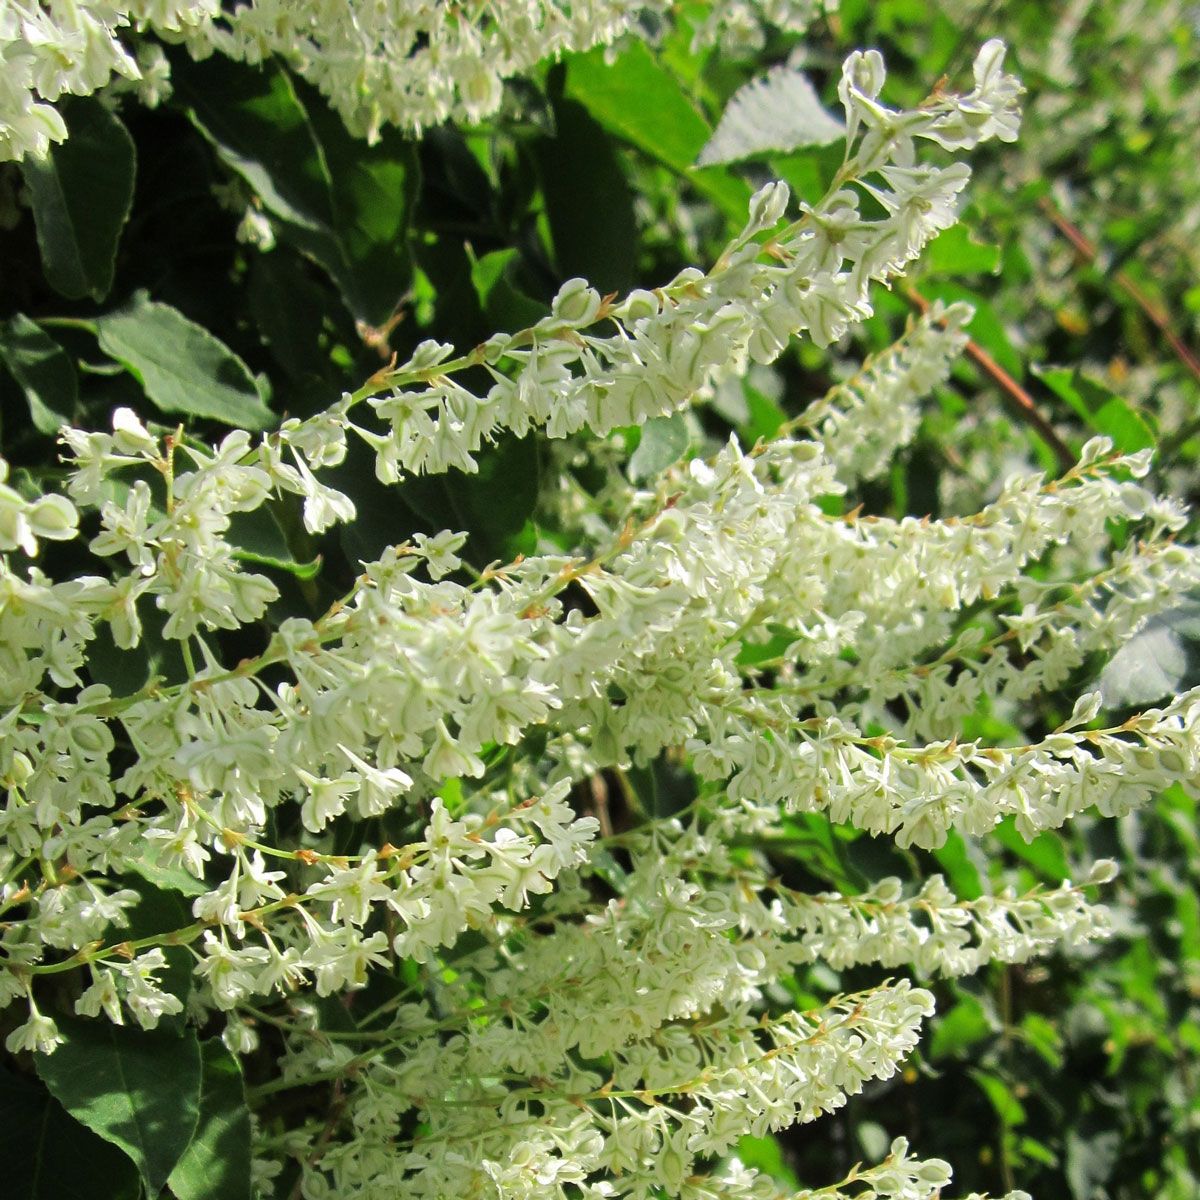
(400, 802)
(772, 282)
(406, 63)
(415, 65)
(864, 420)
(73, 48)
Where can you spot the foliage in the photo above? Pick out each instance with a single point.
(492, 708)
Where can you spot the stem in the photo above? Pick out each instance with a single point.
(68, 323)
(1153, 313)
(1021, 402)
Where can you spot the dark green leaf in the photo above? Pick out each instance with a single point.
(163, 909)
(291, 305)
(809, 839)
(216, 1164)
(961, 1028)
(588, 202)
(507, 308)
(663, 122)
(372, 188)
(136, 1088)
(127, 670)
(339, 201)
(81, 194)
(183, 368)
(49, 1156)
(495, 504)
(256, 537)
(41, 366)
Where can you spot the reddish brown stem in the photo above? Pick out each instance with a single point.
(1021, 402)
(1153, 313)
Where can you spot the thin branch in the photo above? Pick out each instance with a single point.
(1153, 313)
(1020, 401)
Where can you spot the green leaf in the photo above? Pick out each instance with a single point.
(174, 879)
(1045, 854)
(766, 1155)
(664, 441)
(962, 1027)
(181, 366)
(216, 1164)
(44, 371)
(589, 206)
(1043, 1038)
(807, 172)
(81, 195)
(496, 503)
(1038, 1151)
(765, 416)
(662, 123)
(49, 1156)
(507, 308)
(961, 861)
(1008, 1108)
(136, 1088)
(344, 204)
(256, 537)
(1101, 410)
(956, 252)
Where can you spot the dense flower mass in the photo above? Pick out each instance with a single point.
(511, 997)
(409, 63)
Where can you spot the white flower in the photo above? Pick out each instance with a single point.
(440, 551)
(39, 1033)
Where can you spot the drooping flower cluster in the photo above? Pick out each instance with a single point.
(865, 419)
(772, 282)
(407, 63)
(394, 792)
(59, 48)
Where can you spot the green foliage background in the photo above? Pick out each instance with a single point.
(123, 282)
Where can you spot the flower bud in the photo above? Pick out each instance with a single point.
(576, 302)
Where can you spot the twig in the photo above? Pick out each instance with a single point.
(1021, 402)
(1153, 313)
